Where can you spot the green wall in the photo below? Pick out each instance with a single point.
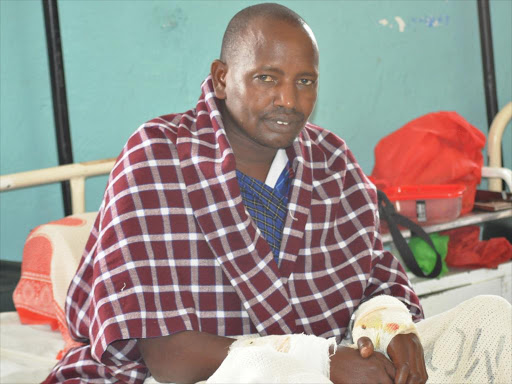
(129, 61)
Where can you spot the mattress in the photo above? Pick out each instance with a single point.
(27, 352)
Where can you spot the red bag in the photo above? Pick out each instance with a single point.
(465, 249)
(437, 148)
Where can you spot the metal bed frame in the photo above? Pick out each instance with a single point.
(74, 173)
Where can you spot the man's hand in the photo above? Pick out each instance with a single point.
(347, 366)
(406, 352)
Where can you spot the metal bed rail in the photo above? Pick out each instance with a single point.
(76, 173)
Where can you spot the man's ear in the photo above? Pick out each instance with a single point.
(219, 71)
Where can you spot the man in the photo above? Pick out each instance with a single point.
(237, 217)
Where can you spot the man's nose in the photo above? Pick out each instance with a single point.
(285, 95)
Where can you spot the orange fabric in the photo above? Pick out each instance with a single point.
(34, 294)
(28, 316)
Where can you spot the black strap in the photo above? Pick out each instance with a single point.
(394, 219)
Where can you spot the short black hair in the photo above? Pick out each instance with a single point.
(242, 19)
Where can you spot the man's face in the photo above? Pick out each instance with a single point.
(270, 85)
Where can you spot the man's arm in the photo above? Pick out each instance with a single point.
(185, 357)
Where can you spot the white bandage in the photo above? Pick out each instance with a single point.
(294, 359)
(380, 319)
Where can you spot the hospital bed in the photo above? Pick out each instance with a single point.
(28, 352)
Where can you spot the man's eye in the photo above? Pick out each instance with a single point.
(305, 82)
(265, 78)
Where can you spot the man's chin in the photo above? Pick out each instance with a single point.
(282, 142)
(282, 145)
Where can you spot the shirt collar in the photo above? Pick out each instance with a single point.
(276, 168)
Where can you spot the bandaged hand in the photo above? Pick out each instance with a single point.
(380, 319)
(385, 325)
(296, 358)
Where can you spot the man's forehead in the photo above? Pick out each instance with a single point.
(260, 31)
(268, 27)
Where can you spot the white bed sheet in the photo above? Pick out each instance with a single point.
(27, 352)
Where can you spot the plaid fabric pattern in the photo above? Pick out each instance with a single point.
(267, 206)
(173, 248)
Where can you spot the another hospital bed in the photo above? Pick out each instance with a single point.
(28, 352)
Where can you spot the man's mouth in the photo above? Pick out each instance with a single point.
(282, 124)
(284, 118)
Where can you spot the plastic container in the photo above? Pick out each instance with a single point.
(427, 204)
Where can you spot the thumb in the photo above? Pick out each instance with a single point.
(365, 346)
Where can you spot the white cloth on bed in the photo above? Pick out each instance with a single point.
(27, 352)
(471, 343)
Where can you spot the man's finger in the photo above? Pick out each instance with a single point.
(419, 371)
(365, 346)
(417, 368)
(423, 367)
(388, 366)
(402, 373)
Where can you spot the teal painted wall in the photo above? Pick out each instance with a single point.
(129, 61)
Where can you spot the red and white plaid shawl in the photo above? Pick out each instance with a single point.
(174, 249)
